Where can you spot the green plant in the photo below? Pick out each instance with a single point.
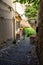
(31, 10)
(29, 31)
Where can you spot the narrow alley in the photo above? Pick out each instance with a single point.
(21, 53)
(21, 22)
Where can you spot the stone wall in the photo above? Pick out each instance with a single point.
(40, 33)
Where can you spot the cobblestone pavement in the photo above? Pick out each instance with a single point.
(21, 53)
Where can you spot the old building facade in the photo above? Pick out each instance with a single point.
(6, 21)
(9, 20)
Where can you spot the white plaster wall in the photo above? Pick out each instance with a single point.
(4, 6)
(5, 14)
(6, 29)
(6, 23)
(5, 11)
(1, 30)
(9, 2)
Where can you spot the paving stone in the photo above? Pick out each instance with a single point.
(22, 53)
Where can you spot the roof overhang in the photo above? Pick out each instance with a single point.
(17, 16)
